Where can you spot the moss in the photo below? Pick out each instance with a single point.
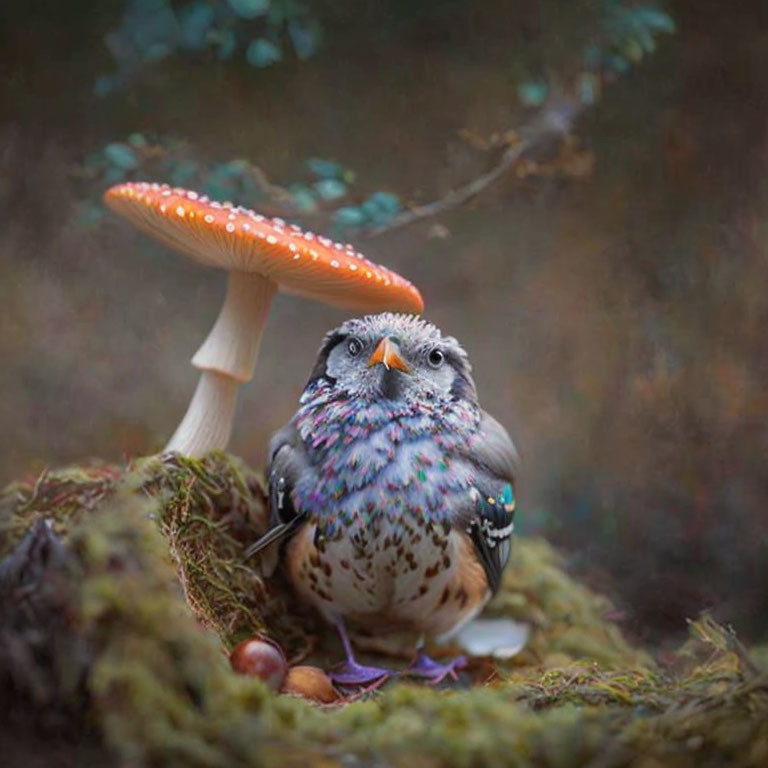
(150, 623)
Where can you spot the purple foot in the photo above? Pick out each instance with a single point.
(352, 673)
(433, 671)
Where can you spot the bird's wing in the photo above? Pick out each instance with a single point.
(488, 514)
(494, 450)
(287, 462)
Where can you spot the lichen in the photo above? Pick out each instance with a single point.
(154, 590)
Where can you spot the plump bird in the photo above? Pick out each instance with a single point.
(391, 489)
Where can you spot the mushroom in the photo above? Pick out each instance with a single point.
(261, 255)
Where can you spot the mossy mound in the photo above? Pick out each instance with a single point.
(110, 634)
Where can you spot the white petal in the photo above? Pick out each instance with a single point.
(502, 638)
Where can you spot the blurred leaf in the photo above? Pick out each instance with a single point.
(105, 84)
(303, 198)
(656, 19)
(184, 173)
(121, 156)
(225, 42)
(618, 64)
(221, 182)
(137, 140)
(249, 9)
(113, 175)
(282, 11)
(325, 169)
(348, 217)
(532, 93)
(330, 189)
(305, 37)
(195, 20)
(150, 26)
(385, 201)
(589, 88)
(632, 49)
(156, 52)
(380, 207)
(262, 53)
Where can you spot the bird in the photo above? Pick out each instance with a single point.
(391, 492)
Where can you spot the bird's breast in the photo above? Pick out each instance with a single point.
(377, 468)
(423, 579)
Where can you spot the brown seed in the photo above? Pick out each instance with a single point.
(310, 683)
(259, 658)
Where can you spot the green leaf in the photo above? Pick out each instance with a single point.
(325, 169)
(105, 84)
(532, 93)
(385, 202)
(348, 217)
(589, 88)
(632, 49)
(305, 38)
(656, 19)
(262, 53)
(330, 189)
(184, 173)
(380, 207)
(303, 198)
(225, 42)
(249, 9)
(618, 64)
(195, 20)
(113, 175)
(121, 156)
(156, 52)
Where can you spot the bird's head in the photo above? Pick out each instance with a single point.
(395, 357)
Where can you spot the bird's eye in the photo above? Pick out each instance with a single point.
(436, 358)
(354, 347)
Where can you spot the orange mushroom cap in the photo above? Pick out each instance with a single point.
(235, 238)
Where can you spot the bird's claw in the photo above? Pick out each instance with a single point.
(434, 672)
(352, 673)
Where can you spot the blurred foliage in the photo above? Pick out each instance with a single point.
(624, 34)
(326, 193)
(261, 31)
(612, 38)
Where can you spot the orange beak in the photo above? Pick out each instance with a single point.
(388, 354)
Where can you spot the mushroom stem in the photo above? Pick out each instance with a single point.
(207, 424)
(233, 343)
(226, 359)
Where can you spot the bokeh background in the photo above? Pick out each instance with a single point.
(612, 292)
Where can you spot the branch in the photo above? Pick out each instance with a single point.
(555, 119)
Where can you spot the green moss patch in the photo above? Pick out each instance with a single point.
(121, 590)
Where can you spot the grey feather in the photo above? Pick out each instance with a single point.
(494, 450)
(287, 463)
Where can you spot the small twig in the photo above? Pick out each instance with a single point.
(555, 119)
